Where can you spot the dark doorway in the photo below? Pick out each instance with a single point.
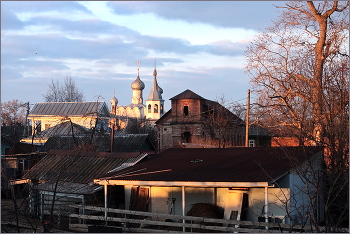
(186, 137)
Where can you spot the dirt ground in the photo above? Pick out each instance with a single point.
(26, 223)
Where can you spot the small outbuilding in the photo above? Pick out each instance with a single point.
(251, 182)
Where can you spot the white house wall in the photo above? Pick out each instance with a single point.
(277, 198)
(162, 198)
(87, 122)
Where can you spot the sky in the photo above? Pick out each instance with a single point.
(196, 45)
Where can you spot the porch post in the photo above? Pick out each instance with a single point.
(183, 207)
(266, 207)
(105, 193)
(215, 195)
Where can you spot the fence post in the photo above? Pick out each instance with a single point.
(42, 208)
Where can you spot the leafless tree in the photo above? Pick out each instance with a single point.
(67, 92)
(13, 113)
(221, 127)
(299, 69)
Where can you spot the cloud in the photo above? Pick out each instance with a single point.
(57, 46)
(44, 6)
(84, 28)
(241, 14)
(9, 20)
(101, 56)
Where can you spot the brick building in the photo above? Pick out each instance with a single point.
(194, 121)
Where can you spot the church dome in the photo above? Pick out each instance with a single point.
(138, 84)
(114, 101)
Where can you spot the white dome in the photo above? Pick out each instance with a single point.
(114, 101)
(137, 84)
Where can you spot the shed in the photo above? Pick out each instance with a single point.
(256, 182)
(68, 176)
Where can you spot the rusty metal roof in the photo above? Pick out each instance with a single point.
(77, 166)
(69, 109)
(122, 143)
(187, 94)
(215, 165)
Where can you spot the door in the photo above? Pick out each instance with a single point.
(160, 199)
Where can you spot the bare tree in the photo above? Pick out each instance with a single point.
(222, 127)
(67, 92)
(299, 69)
(13, 113)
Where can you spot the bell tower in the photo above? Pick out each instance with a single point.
(155, 102)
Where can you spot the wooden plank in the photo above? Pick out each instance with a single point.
(188, 218)
(78, 227)
(171, 224)
(19, 181)
(149, 230)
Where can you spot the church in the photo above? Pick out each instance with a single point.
(122, 116)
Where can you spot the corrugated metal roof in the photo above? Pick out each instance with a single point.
(64, 128)
(76, 166)
(122, 143)
(222, 111)
(71, 188)
(215, 165)
(69, 109)
(187, 94)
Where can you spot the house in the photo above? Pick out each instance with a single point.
(65, 177)
(62, 129)
(253, 181)
(14, 167)
(48, 114)
(198, 121)
(259, 136)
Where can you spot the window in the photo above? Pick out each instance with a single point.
(186, 137)
(251, 143)
(185, 110)
(149, 108)
(37, 126)
(161, 108)
(155, 108)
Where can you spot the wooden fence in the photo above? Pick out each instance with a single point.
(82, 217)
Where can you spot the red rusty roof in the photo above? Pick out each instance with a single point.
(187, 94)
(216, 165)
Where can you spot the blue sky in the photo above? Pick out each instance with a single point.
(198, 45)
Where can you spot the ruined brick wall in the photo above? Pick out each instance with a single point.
(180, 114)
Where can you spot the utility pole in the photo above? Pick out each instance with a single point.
(247, 120)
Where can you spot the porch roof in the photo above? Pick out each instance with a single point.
(207, 167)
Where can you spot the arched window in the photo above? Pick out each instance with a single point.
(155, 108)
(161, 108)
(186, 137)
(149, 108)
